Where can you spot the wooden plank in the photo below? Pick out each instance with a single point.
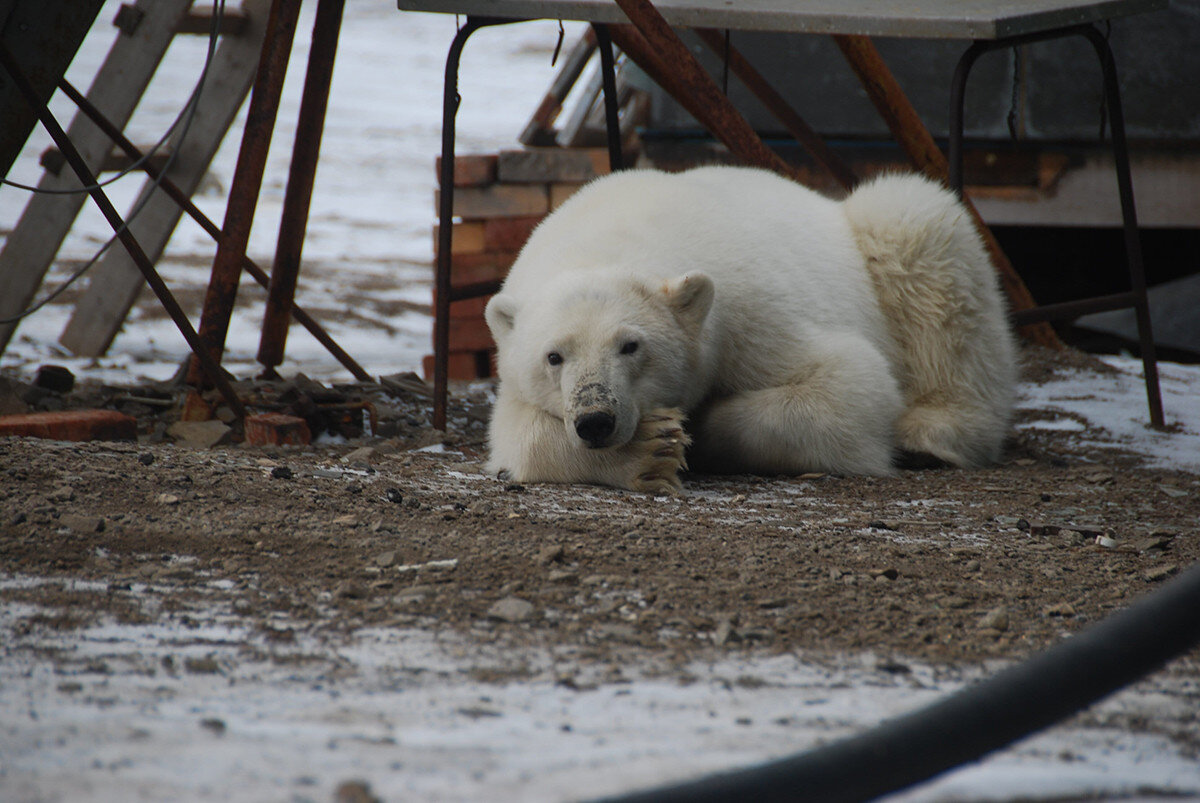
(119, 83)
(116, 282)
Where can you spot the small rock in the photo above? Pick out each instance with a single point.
(1071, 538)
(364, 454)
(202, 666)
(1155, 543)
(167, 499)
(281, 473)
(385, 559)
(346, 521)
(972, 566)
(724, 633)
(549, 554)
(511, 609)
(995, 619)
(1157, 573)
(1106, 542)
(216, 726)
(350, 590)
(354, 792)
(1059, 609)
(955, 603)
(394, 495)
(772, 603)
(146, 458)
(200, 434)
(882, 524)
(85, 525)
(1172, 491)
(888, 573)
(563, 577)
(1099, 477)
(479, 507)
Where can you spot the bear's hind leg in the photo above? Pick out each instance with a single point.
(837, 414)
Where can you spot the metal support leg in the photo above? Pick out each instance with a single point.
(441, 292)
(247, 181)
(301, 176)
(1136, 297)
(611, 102)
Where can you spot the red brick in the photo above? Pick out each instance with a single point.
(474, 268)
(471, 170)
(508, 233)
(462, 365)
(470, 334)
(499, 200)
(540, 165)
(277, 429)
(71, 425)
(468, 238)
(467, 307)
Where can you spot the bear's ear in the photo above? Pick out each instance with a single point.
(690, 297)
(501, 314)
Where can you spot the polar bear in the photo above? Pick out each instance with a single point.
(792, 332)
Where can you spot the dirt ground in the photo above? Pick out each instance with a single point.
(946, 566)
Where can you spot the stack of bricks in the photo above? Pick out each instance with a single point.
(498, 200)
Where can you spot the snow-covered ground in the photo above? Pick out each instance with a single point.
(400, 708)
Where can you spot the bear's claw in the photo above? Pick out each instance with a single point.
(659, 452)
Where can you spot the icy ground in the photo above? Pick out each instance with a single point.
(399, 709)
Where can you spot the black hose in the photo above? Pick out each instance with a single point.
(996, 712)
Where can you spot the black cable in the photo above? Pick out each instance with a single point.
(968, 725)
(187, 115)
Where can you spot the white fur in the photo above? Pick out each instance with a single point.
(797, 333)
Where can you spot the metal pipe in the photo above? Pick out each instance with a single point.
(180, 197)
(611, 102)
(210, 368)
(306, 151)
(775, 103)
(247, 180)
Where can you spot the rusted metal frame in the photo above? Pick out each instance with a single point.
(612, 103)
(1136, 298)
(247, 180)
(306, 150)
(180, 197)
(809, 139)
(910, 133)
(722, 119)
(209, 366)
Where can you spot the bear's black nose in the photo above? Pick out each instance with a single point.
(595, 428)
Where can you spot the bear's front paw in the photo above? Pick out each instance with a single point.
(659, 446)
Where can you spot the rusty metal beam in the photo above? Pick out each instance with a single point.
(914, 138)
(804, 134)
(719, 115)
(306, 150)
(180, 197)
(247, 181)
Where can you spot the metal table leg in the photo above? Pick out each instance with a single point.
(1136, 297)
(443, 292)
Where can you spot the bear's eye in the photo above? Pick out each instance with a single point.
(629, 347)
(554, 358)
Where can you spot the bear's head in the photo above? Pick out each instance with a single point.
(599, 357)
